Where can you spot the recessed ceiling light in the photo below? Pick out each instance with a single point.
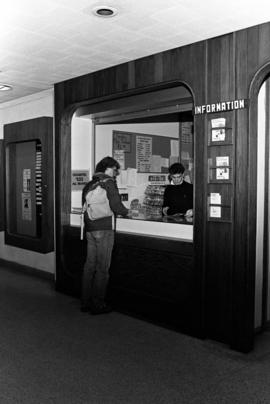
(5, 87)
(104, 11)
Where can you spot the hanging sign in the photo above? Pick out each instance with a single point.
(220, 106)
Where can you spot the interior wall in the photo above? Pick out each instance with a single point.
(33, 106)
(81, 152)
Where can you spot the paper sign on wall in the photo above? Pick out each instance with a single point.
(215, 198)
(79, 178)
(26, 206)
(222, 173)
(26, 179)
(218, 135)
(222, 161)
(143, 153)
(218, 122)
(215, 211)
(119, 155)
(156, 163)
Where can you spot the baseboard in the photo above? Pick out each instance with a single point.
(24, 269)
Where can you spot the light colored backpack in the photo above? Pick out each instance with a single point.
(97, 202)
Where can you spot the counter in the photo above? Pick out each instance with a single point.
(179, 228)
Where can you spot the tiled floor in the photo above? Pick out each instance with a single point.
(52, 353)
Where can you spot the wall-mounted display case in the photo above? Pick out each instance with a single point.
(29, 184)
(220, 168)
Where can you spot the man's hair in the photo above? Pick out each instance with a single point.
(106, 162)
(176, 168)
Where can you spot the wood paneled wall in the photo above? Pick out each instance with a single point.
(219, 69)
(2, 196)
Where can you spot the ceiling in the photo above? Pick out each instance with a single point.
(43, 42)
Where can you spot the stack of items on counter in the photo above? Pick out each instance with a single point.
(153, 201)
(137, 211)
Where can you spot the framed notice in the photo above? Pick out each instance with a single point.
(122, 141)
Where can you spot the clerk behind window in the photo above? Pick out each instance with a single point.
(178, 196)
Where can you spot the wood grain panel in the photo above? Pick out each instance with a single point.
(264, 48)
(145, 71)
(142, 73)
(242, 294)
(216, 70)
(2, 195)
(219, 245)
(218, 281)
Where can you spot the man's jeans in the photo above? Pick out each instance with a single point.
(96, 268)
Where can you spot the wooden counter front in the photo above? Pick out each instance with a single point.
(152, 278)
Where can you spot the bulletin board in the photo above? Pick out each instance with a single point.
(146, 153)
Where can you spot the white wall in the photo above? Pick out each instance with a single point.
(81, 152)
(33, 106)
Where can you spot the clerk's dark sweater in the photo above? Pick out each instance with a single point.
(179, 198)
(114, 200)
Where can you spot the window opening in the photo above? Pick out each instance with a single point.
(146, 134)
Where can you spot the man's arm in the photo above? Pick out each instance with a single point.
(114, 199)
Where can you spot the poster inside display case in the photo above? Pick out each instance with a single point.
(28, 184)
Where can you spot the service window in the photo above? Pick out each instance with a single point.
(145, 143)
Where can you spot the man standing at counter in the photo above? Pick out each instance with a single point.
(100, 237)
(178, 196)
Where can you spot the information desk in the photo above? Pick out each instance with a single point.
(152, 276)
(177, 227)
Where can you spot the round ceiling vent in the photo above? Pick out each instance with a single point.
(104, 11)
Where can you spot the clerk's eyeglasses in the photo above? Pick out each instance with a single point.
(177, 176)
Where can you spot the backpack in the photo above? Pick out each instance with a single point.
(96, 201)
